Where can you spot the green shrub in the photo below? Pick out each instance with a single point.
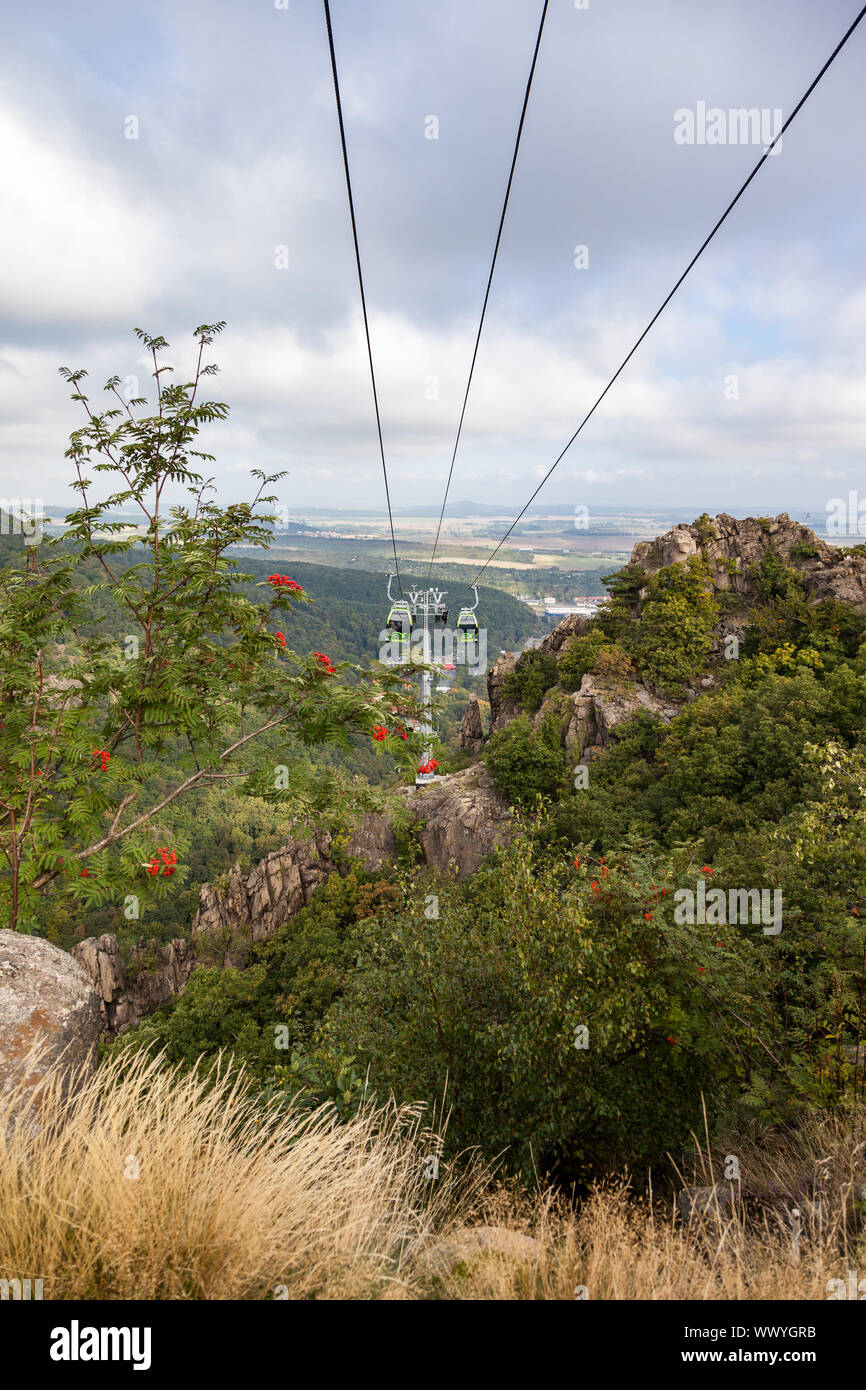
(671, 643)
(530, 680)
(612, 665)
(481, 1008)
(578, 657)
(526, 763)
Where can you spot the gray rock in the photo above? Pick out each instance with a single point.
(49, 1019)
(600, 708)
(462, 819)
(156, 973)
(502, 711)
(575, 625)
(734, 547)
(471, 728)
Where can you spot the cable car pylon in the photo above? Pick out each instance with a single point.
(422, 613)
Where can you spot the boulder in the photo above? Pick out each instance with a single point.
(49, 1018)
(462, 818)
(575, 625)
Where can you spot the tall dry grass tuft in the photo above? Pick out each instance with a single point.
(159, 1184)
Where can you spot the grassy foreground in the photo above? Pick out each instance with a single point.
(156, 1184)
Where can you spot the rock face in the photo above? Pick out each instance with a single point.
(127, 995)
(252, 906)
(732, 548)
(462, 818)
(471, 728)
(575, 625)
(48, 1003)
(600, 708)
(502, 711)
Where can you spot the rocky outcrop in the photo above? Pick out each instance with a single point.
(575, 625)
(598, 709)
(733, 549)
(502, 711)
(129, 992)
(471, 728)
(461, 819)
(49, 1019)
(251, 906)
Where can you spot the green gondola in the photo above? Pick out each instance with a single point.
(466, 635)
(399, 621)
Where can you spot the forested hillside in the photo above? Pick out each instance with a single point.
(679, 920)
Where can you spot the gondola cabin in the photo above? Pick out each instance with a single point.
(467, 629)
(399, 622)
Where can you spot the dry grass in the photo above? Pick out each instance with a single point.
(621, 1247)
(231, 1199)
(157, 1185)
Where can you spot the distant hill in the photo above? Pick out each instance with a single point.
(347, 616)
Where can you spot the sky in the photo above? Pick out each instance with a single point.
(748, 396)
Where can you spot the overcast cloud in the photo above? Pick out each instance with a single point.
(238, 154)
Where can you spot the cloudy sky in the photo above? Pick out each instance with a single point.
(748, 396)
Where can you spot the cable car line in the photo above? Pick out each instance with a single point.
(489, 280)
(361, 281)
(804, 98)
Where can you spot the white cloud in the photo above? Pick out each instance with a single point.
(74, 245)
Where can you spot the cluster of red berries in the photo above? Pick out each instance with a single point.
(165, 860)
(279, 639)
(325, 663)
(103, 755)
(282, 581)
(430, 766)
(380, 732)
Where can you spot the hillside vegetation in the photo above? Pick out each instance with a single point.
(574, 1017)
(669, 940)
